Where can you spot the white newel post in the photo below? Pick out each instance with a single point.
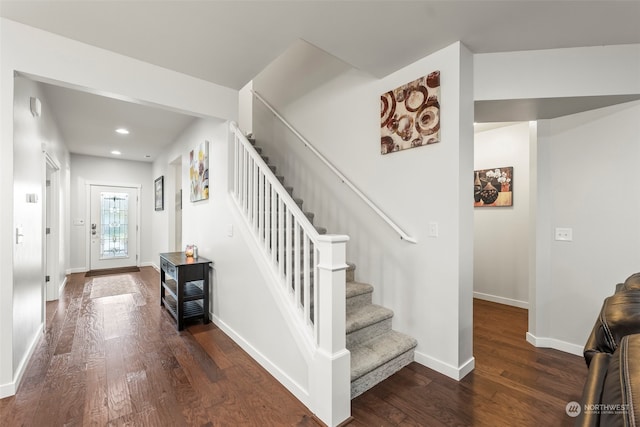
(330, 378)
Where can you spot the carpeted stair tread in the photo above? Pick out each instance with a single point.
(358, 295)
(366, 316)
(376, 352)
(350, 272)
(357, 288)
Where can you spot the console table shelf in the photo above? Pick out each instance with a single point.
(184, 287)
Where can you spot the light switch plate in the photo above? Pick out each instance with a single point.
(432, 231)
(564, 234)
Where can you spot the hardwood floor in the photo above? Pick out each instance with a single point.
(513, 384)
(118, 360)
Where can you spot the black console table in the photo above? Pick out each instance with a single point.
(184, 287)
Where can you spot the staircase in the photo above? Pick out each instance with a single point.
(377, 351)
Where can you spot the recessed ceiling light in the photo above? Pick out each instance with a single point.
(116, 152)
(122, 131)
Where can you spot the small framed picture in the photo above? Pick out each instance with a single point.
(493, 187)
(159, 191)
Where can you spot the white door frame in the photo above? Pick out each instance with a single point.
(88, 185)
(50, 245)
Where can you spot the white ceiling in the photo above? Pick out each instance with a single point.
(229, 42)
(88, 123)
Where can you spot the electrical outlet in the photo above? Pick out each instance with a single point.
(564, 234)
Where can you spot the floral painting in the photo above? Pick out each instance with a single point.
(410, 115)
(199, 172)
(493, 187)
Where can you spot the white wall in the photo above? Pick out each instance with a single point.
(428, 285)
(241, 302)
(501, 234)
(554, 73)
(52, 58)
(588, 181)
(245, 108)
(87, 170)
(32, 137)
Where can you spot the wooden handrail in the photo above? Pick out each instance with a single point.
(340, 175)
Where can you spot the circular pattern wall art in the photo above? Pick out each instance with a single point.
(410, 114)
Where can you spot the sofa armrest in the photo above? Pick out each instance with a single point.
(619, 316)
(592, 392)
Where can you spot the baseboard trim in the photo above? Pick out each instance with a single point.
(501, 300)
(444, 368)
(7, 390)
(76, 270)
(10, 389)
(296, 389)
(149, 264)
(556, 344)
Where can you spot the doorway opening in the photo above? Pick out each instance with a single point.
(51, 231)
(113, 234)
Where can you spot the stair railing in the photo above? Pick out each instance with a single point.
(293, 246)
(340, 175)
(309, 269)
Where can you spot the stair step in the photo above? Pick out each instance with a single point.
(265, 158)
(310, 216)
(377, 359)
(289, 190)
(351, 272)
(367, 322)
(280, 178)
(273, 168)
(252, 140)
(258, 149)
(358, 295)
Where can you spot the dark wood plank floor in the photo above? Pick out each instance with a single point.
(513, 384)
(118, 360)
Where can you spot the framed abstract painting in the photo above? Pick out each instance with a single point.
(199, 172)
(410, 115)
(159, 193)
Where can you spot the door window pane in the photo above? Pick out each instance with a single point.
(114, 227)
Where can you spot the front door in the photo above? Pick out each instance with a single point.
(113, 227)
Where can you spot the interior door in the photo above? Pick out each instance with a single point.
(113, 227)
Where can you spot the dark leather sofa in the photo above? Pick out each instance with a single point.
(611, 395)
